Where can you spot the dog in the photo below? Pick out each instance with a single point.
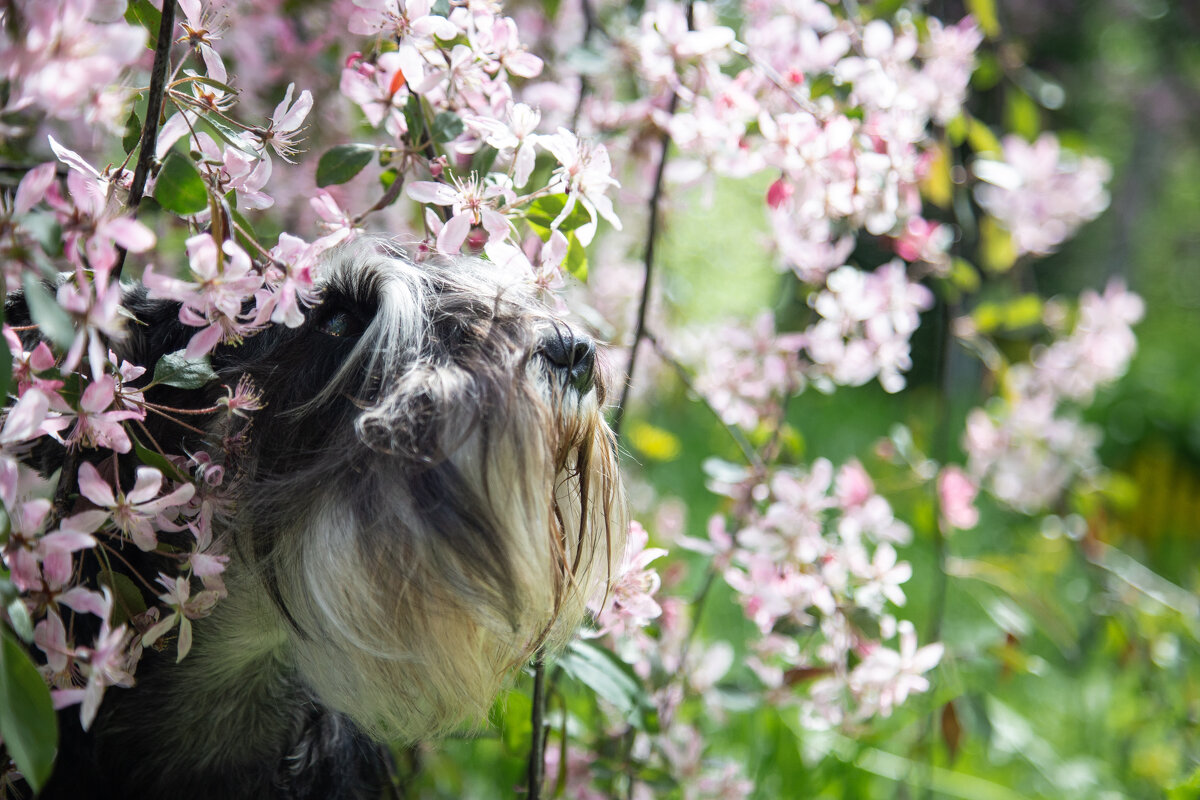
(428, 496)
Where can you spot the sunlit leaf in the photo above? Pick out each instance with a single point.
(997, 252)
(656, 444)
(937, 185)
(142, 12)
(543, 211)
(1021, 115)
(576, 260)
(984, 12)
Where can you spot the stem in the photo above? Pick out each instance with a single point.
(639, 331)
(158, 84)
(388, 198)
(735, 432)
(537, 747)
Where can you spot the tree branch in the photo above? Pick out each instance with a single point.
(537, 746)
(639, 331)
(149, 141)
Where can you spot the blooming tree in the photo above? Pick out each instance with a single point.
(536, 140)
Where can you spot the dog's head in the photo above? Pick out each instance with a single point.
(428, 495)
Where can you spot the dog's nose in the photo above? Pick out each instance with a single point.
(573, 355)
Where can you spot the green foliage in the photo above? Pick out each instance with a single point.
(179, 187)
(175, 369)
(27, 721)
(46, 313)
(340, 164)
(447, 127)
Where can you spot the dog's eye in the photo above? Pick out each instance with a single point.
(341, 323)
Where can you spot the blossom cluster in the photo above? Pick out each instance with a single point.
(1040, 193)
(811, 562)
(520, 139)
(865, 321)
(1029, 444)
(71, 393)
(441, 88)
(64, 64)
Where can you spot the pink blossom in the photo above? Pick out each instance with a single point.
(178, 596)
(64, 63)
(392, 20)
(584, 174)
(33, 186)
(107, 664)
(226, 279)
(473, 204)
(630, 604)
(886, 677)
(133, 513)
(1040, 193)
(285, 123)
(956, 495)
(95, 425)
(92, 222)
(201, 31)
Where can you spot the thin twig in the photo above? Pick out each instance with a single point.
(735, 432)
(639, 331)
(149, 143)
(388, 198)
(537, 761)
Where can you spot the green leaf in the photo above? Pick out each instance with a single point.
(18, 615)
(128, 599)
(227, 135)
(543, 211)
(157, 460)
(341, 163)
(133, 132)
(607, 676)
(963, 275)
(576, 260)
(414, 119)
(997, 252)
(51, 318)
(179, 187)
(175, 370)
(984, 12)
(27, 720)
(5, 364)
(1021, 115)
(141, 12)
(216, 84)
(447, 127)
(516, 725)
(483, 159)
(247, 240)
(981, 138)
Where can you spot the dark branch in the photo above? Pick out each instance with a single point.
(537, 747)
(149, 141)
(639, 331)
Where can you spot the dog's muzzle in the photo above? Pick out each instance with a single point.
(572, 357)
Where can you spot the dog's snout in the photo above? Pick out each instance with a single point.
(571, 354)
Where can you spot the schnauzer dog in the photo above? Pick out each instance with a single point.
(429, 496)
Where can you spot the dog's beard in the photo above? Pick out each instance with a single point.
(458, 515)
